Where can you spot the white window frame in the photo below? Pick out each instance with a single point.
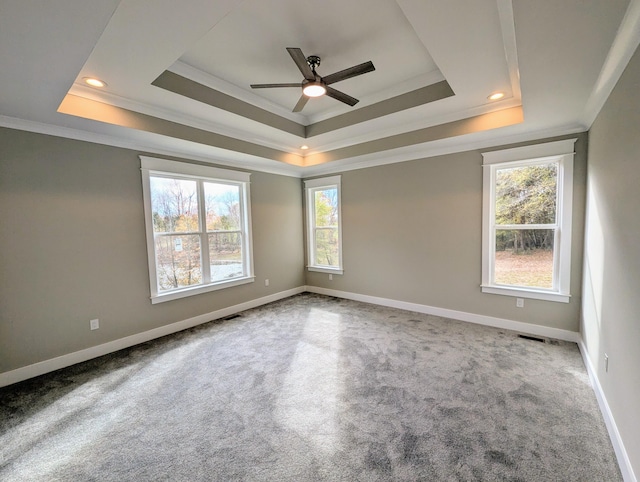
(561, 152)
(311, 187)
(181, 170)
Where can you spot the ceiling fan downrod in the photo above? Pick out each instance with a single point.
(314, 62)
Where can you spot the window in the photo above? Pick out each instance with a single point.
(526, 249)
(324, 233)
(198, 228)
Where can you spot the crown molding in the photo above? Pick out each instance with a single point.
(153, 145)
(174, 116)
(213, 82)
(624, 46)
(223, 158)
(508, 28)
(216, 83)
(396, 90)
(384, 127)
(436, 148)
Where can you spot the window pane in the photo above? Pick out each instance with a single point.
(223, 206)
(527, 195)
(178, 261)
(326, 204)
(225, 251)
(326, 244)
(174, 204)
(524, 257)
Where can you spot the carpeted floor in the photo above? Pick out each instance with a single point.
(314, 388)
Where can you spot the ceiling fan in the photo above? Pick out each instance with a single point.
(313, 85)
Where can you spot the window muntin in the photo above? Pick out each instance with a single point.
(525, 197)
(324, 225)
(198, 228)
(527, 221)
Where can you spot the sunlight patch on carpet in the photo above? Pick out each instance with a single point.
(310, 394)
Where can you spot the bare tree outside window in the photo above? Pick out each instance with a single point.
(198, 228)
(175, 224)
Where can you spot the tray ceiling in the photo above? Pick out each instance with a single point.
(178, 75)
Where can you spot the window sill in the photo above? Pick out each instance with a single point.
(325, 269)
(527, 293)
(197, 290)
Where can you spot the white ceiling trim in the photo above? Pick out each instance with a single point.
(623, 47)
(179, 117)
(400, 88)
(358, 133)
(225, 158)
(156, 144)
(508, 27)
(386, 127)
(225, 87)
(411, 119)
(228, 88)
(435, 148)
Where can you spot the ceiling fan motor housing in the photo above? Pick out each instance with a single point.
(314, 62)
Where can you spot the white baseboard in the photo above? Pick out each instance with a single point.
(612, 428)
(519, 326)
(40, 368)
(566, 335)
(30, 371)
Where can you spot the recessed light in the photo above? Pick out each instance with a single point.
(496, 96)
(93, 82)
(304, 147)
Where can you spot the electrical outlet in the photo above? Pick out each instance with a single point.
(330, 277)
(94, 324)
(266, 282)
(606, 363)
(520, 302)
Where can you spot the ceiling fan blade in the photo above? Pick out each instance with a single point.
(341, 96)
(301, 103)
(348, 73)
(270, 86)
(301, 61)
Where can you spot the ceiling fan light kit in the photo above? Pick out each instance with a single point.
(313, 84)
(314, 89)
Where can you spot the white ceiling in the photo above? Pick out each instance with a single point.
(555, 60)
(248, 46)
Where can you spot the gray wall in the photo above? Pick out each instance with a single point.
(412, 231)
(611, 305)
(72, 248)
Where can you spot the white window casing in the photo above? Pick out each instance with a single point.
(161, 168)
(311, 188)
(561, 153)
